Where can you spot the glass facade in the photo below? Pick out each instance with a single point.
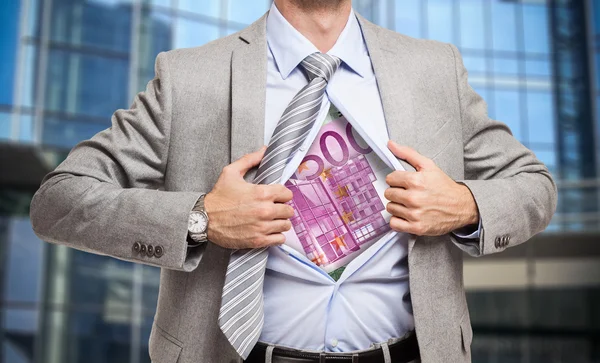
(69, 64)
(506, 46)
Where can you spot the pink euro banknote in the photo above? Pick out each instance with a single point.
(338, 197)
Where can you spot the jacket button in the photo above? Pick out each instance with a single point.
(150, 250)
(143, 249)
(158, 251)
(136, 247)
(497, 242)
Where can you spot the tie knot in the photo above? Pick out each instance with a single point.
(320, 65)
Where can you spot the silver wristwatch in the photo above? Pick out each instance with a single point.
(198, 222)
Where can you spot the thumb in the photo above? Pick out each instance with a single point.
(410, 155)
(248, 161)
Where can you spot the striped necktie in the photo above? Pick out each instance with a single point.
(241, 315)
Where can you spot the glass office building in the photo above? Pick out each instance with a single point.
(67, 65)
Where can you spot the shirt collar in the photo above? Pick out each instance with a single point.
(349, 47)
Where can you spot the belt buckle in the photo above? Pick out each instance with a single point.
(323, 357)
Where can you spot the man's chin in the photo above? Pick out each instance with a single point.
(318, 4)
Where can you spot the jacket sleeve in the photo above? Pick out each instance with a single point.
(106, 195)
(514, 192)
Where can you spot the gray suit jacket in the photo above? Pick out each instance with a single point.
(138, 180)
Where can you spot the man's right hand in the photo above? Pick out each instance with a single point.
(244, 215)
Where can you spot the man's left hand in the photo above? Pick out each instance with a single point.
(426, 202)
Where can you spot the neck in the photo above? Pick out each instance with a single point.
(320, 21)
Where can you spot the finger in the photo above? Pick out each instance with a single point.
(397, 195)
(278, 226)
(274, 239)
(248, 161)
(405, 179)
(399, 210)
(273, 193)
(402, 225)
(283, 211)
(281, 193)
(399, 178)
(410, 155)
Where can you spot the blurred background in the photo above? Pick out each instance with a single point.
(67, 65)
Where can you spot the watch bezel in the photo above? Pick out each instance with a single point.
(202, 214)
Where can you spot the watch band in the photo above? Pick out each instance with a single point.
(199, 207)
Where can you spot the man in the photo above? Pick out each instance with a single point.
(380, 167)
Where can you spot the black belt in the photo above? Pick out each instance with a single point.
(403, 351)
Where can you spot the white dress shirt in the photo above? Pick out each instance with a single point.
(305, 308)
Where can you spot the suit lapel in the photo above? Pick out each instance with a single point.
(392, 67)
(248, 91)
(392, 71)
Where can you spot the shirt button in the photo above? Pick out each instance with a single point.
(334, 342)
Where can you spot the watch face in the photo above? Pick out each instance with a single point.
(197, 222)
